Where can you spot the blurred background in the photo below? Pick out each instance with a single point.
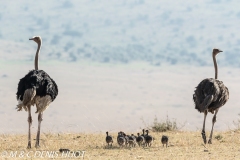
(119, 63)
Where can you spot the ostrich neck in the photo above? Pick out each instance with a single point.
(36, 56)
(215, 66)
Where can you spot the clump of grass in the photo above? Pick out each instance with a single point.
(163, 126)
(218, 137)
(237, 123)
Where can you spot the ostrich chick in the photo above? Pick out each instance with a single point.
(164, 140)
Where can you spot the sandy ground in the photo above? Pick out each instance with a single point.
(182, 145)
(98, 97)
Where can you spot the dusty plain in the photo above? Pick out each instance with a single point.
(182, 145)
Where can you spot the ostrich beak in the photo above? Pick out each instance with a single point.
(30, 38)
(220, 50)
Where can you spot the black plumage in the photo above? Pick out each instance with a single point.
(40, 81)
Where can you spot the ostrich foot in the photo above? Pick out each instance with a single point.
(29, 145)
(204, 137)
(210, 141)
(37, 145)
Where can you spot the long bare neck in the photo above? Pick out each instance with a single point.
(36, 56)
(215, 65)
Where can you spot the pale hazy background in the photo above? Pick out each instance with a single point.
(117, 62)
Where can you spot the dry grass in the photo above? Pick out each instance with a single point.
(182, 145)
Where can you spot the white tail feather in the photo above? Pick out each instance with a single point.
(28, 99)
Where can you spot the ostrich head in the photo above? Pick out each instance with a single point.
(107, 133)
(37, 39)
(216, 51)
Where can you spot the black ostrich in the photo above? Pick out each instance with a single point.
(109, 139)
(36, 88)
(209, 96)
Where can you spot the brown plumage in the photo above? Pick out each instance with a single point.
(209, 96)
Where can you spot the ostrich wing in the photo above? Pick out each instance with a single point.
(47, 85)
(210, 94)
(206, 92)
(52, 88)
(21, 89)
(206, 102)
(222, 97)
(26, 83)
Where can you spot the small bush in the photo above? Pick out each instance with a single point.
(237, 123)
(218, 137)
(164, 126)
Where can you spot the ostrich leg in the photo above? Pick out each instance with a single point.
(38, 132)
(213, 121)
(29, 127)
(203, 130)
